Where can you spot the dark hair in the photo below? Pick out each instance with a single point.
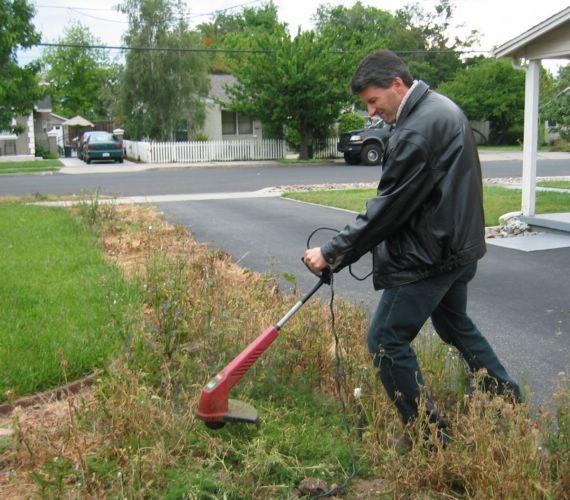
(379, 69)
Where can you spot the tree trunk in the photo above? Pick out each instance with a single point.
(305, 149)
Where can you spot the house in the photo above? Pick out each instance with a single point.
(40, 128)
(221, 123)
(19, 146)
(45, 121)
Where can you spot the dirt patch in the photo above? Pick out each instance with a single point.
(38, 433)
(370, 488)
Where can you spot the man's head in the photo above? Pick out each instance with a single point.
(382, 80)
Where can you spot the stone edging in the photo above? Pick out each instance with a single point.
(50, 395)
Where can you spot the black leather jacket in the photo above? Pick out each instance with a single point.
(428, 215)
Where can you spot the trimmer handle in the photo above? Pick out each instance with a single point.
(324, 275)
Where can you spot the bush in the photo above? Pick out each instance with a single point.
(562, 145)
(514, 135)
(201, 137)
(45, 154)
(350, 121)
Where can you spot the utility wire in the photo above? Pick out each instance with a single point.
(78, 10)
(148, 49)
(238, 51)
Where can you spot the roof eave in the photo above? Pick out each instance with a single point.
(515, 47)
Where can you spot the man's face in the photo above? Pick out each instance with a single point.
(384, 102)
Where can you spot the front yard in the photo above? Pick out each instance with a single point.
(62, 307)
(497, 200)
(23, 167)
(172, 317)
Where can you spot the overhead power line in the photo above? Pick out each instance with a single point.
(238, 51)
(152, 49)
(77, 10)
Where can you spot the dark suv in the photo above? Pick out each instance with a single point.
(364, 145)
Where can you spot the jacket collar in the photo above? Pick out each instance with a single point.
(416, 95)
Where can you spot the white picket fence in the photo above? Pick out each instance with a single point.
(190, 152)
(329, 151)
(138, 151)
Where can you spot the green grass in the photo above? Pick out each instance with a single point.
(515, 147)
(555, 184)
(292, 161)
(18, 167)
(59, 299)
(136, 434)
(497, 201)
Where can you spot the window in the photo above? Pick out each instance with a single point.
(8, 149)
(245, 124)
(229, 123)
(235, 123)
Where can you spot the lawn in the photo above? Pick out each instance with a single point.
(134, 434)
(22, 167)
(497, 200)
(59, 300)
(554, 184)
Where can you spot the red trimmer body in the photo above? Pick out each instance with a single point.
(215, 407)
(215, 403)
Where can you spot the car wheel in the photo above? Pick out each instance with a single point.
(351, 160)
(88, 160)
(371, 154)
(120, 160)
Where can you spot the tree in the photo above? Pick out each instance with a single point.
(490, 89)
(238, 31)
(296, 85)
(441, 60)
(19, 89)
(161, 91)
(359, 30)
(555, 101)
(77, 77)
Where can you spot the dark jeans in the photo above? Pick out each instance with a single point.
(400, 315)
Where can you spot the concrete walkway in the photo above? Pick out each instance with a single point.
(76, 166)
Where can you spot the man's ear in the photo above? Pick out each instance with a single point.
(398, 82)
(399, 86)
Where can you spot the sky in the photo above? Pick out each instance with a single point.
(496, 20)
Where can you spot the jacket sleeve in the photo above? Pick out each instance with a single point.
(405, 185)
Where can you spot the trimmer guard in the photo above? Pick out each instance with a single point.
(214, 403)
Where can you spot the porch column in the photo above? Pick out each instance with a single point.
(530, 143)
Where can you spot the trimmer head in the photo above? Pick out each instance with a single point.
(238, 411)
(215, 407)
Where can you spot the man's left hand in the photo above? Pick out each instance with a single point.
(315, 259)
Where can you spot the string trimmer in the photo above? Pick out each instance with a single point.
(215, 407)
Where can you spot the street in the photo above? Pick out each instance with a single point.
(217, 179)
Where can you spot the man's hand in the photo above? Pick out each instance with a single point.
(315, 260)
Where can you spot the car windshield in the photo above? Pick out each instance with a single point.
(101, 137)
(376, 124)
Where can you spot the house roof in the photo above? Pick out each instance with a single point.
(549, 39)
(62, 118)
(218, 84)
(78, 121)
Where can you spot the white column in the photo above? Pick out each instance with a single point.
(31, 134)
(530, 137)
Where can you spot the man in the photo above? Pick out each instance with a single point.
(425, 228)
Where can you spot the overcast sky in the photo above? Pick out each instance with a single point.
(497, 20)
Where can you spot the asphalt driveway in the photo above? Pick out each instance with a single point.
(518, 299)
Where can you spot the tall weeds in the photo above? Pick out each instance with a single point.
(136, 434)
